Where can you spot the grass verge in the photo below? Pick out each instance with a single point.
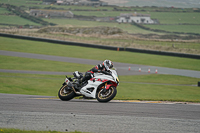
(12, 130)
(130, 91)
(97, 54)
(138, 87)
(19, 63)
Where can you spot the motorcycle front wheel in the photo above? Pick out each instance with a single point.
(106, 96)
(66, 94)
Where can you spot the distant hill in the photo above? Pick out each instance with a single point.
(158, 3)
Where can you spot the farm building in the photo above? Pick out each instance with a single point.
(51, 13)
(134, 17)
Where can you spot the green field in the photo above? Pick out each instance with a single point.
(177, 28)
(136, 87)
(80, 23)
(176, 18)
(127, 27)
(15, 20)
(164, 15)
(21, 2)
(4, 10)
(169, 18)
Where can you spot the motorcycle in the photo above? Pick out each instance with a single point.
(101, 87)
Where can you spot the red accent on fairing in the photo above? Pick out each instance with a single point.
(100, 80)
(104, 80)
(113, 84)
(92, 79)
(108, 86)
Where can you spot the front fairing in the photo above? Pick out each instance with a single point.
(113, 77)
(99, 78)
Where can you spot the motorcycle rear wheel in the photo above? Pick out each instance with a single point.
(65, 94)
(106, 96)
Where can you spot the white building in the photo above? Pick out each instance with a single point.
(135, 17)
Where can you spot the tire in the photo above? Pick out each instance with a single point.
(107, 96)
(66, 95)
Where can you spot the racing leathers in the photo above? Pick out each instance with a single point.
(89, 74)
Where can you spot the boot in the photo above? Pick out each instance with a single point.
(79, 81)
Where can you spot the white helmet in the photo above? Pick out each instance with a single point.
(108, 64)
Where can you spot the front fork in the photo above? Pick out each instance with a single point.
(107, 86)
(104, 87)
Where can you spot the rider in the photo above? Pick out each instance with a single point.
(104, 67)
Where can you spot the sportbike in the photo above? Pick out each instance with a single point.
(101, 87)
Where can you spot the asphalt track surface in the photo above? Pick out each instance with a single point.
(30, 112)
(48, 113)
